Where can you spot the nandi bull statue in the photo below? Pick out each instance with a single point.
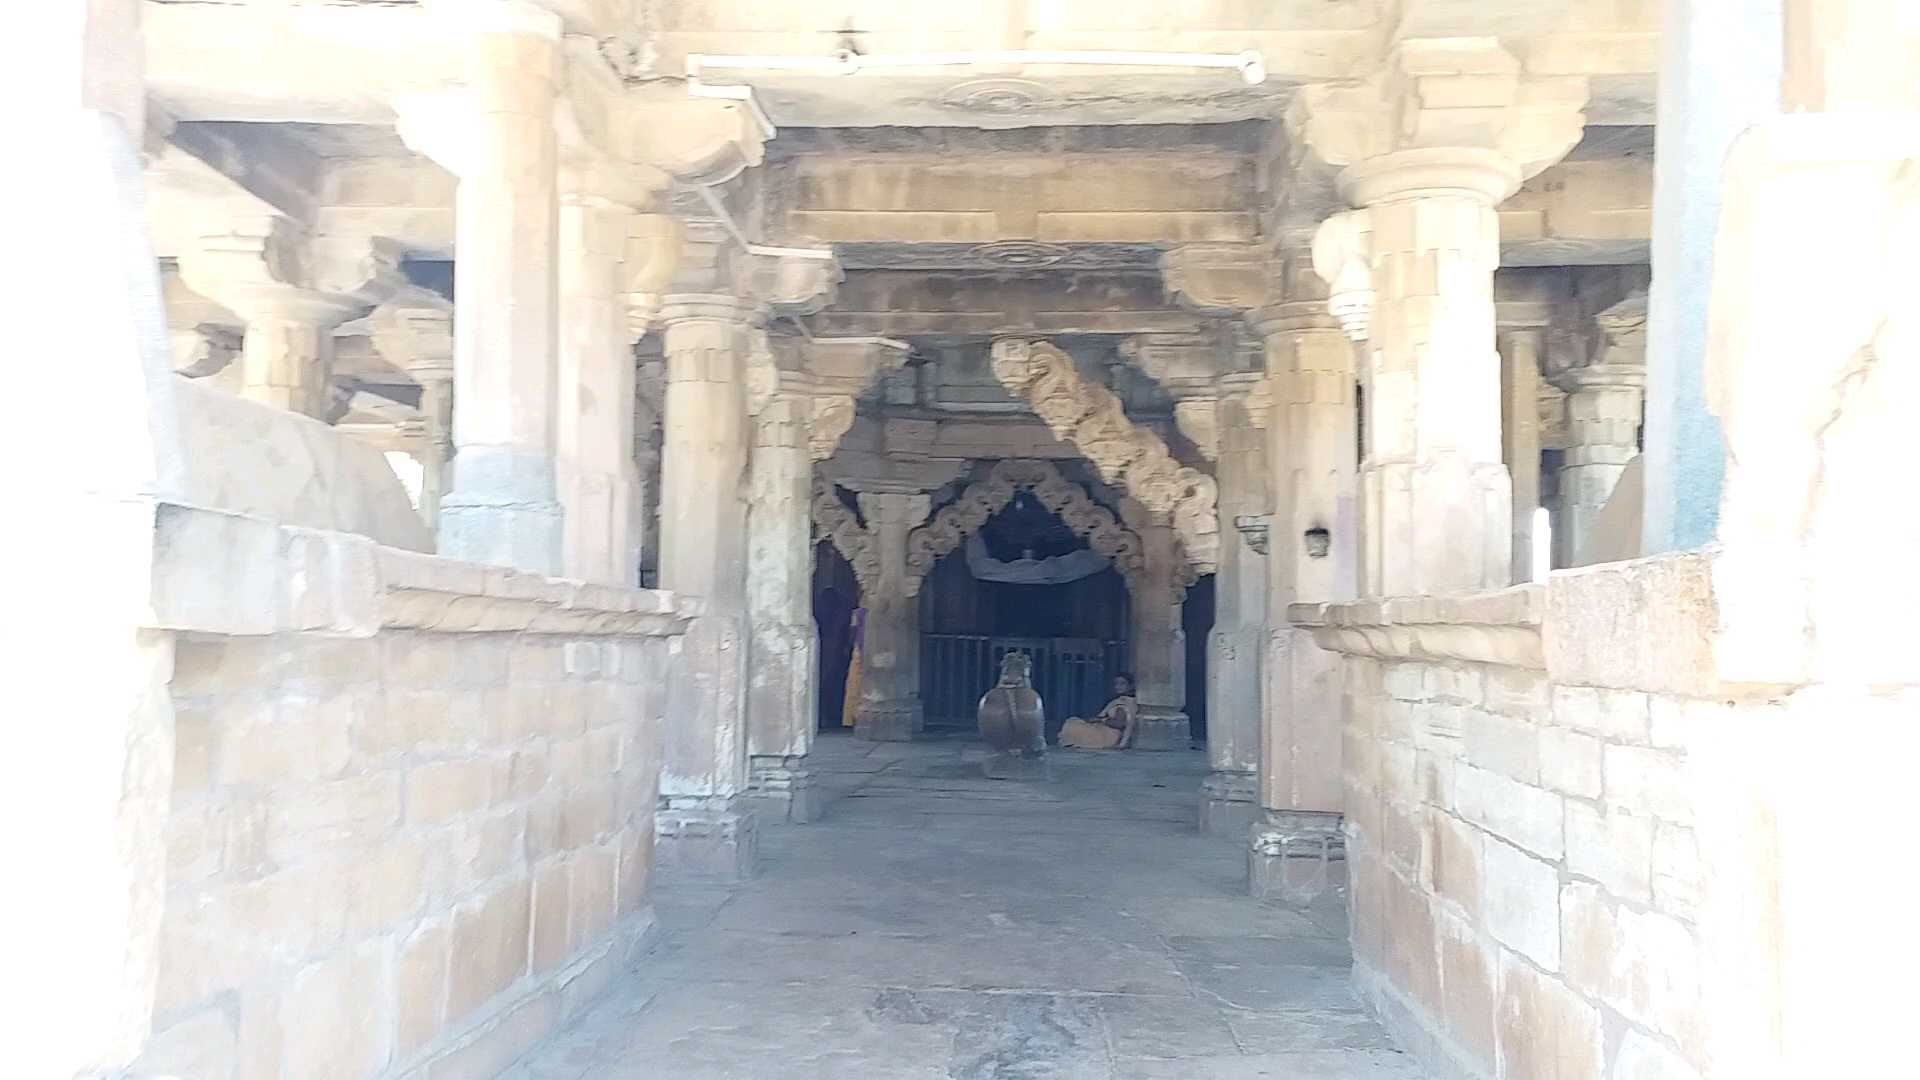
(1013, 723)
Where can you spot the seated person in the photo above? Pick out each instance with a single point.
(1112, 728)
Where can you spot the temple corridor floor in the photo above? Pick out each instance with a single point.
(933, 924)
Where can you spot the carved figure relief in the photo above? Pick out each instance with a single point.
(1091, 418)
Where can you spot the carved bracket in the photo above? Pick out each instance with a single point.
(834, 520)
(1253, 529)
(1092, 419)
(1483, 628)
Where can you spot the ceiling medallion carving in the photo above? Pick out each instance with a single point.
(1020, 254)
(997, 97)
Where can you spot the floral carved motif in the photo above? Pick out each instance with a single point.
(1091, 418)
(964, 516)
(833, 520)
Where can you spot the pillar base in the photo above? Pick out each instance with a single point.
(1014, 765)
(1296, 857)
(782, 789)
(1163, 731)
(503, 511)
(705, 839)
(890, 721)
(1227, 804)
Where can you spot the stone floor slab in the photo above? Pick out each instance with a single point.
(933, 925)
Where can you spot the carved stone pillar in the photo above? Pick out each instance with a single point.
(1156, 641)
(293, 291)
(1520, 441)
(415, 333)
(782, 682)
(594, 466)
(702, 828)
(497, 135)
(1604, 394)
(890, 709)
(1312, 556)
(1228, 796)
(1430, 146)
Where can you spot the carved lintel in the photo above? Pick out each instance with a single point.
(1253, 528)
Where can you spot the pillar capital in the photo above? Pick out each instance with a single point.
(652, 255)
(791, 283)
(271, 268)
(1452, 114)
(413, 331)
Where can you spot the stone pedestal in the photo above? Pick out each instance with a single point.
(1014, 765)
(1228, 803)
(707, 839)
(782, 789)
(889, 721)
(1296, 857)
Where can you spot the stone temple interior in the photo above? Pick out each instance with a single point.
(562, 474)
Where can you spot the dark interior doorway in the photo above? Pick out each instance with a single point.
(1076, 631)
(1196, 621)
(835, 594)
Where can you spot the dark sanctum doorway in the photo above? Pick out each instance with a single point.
(1075, 630)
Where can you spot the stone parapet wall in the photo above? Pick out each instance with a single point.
(413, 803)
(1542, 787)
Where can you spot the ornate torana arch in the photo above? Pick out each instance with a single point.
(833, 520)
(1090, 418)
(986, 497)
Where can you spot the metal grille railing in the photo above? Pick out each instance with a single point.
(1073, 675)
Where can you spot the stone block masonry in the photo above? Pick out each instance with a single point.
(409, 851)
(1527, 884)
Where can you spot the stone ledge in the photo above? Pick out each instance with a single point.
(223, 573)
(1501, 627)
(1644, 624)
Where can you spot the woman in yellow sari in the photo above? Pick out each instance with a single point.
(1111, 728)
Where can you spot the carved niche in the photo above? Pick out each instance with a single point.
(988, 496)
(1091, 418)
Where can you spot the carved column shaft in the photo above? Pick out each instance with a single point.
(594, 431)
(703, 527)
(1520, 438)
(1437, 497)
(1157, 642)
(782, 641)
(503, 507)
(890, 708)
(1313, 553)
(1235, 644)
